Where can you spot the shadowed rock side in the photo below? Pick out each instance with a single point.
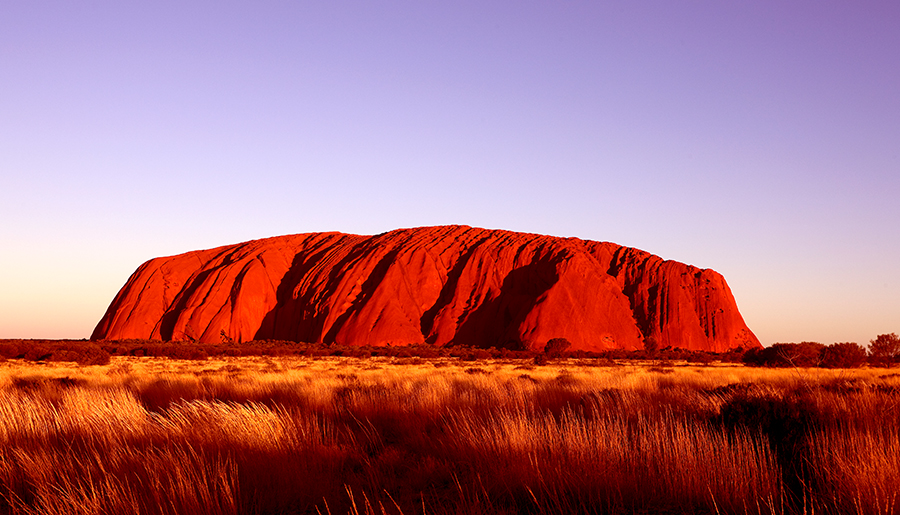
(434, 285)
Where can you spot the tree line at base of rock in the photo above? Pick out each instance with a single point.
(884, 350)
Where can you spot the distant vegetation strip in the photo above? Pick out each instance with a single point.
(884, 350)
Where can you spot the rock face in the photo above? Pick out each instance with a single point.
(431, 285)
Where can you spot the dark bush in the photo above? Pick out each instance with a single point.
(843, 355)
(38, 353)
(700, 357)
(803, 354)
(556, 347)
(93, 356)
(732, 356)
(10, 350)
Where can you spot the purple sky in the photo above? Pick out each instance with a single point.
(760, 139)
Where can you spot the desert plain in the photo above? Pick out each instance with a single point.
(325, 434)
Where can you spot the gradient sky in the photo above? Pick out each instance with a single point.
(760, 139)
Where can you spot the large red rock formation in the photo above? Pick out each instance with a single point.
(432, 285)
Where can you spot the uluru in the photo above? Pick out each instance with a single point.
(447, 285)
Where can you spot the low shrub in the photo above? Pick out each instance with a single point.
(803, 354)
(843, 355)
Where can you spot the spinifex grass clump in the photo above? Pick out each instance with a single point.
(267, 435)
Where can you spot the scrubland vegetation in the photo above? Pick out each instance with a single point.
(884, 350)
(339, 435)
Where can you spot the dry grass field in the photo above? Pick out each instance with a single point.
(335, 435)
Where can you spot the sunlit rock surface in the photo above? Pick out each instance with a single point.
(431, 285)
